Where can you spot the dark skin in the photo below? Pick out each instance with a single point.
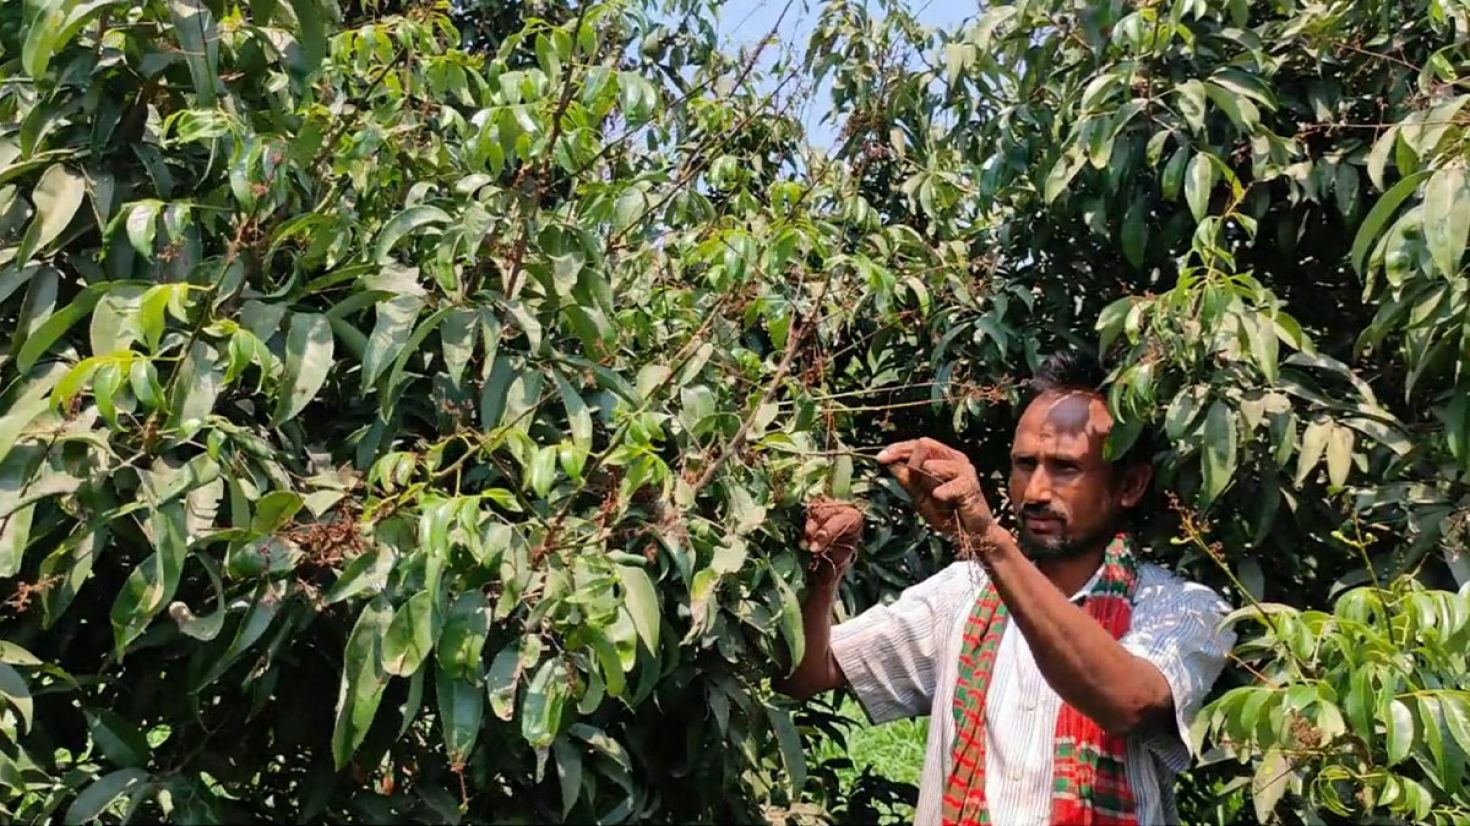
(1069, 500)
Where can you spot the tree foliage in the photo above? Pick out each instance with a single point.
(481, 376)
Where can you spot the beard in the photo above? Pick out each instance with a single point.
(1054, 547)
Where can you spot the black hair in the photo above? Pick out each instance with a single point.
(1068, 371)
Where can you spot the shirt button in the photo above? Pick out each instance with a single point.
(1030, 704)
(1015, 774)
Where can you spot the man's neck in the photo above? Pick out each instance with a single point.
(1073, 572)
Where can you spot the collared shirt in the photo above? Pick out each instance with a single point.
(902, 660)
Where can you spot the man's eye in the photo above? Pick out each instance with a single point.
(1026, 463)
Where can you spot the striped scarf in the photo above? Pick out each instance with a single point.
(1090, 785)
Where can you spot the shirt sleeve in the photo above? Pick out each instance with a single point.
(1177, 630)
(891, 653)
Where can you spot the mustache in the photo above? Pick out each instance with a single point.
(1041, 512)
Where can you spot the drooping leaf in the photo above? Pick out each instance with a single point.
(100, 794)
(118, 739)
(410, 635)
(543, 702)
(1447, 217)
(404, 223)
(642, 603)
(363, 679)
(461, 707)
(308, 361)
(1198, 182)
(1220, 453)
(152, 583)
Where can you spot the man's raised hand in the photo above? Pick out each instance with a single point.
(941, 482)
(833, 531)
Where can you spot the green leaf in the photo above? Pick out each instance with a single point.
(1062, 173)
(1191, 103)
(41, 37)
(1198, 183)
(151, 585)
(363, 680)
(12, 654)
(578, 417)
(494, 393)
(1447, 218)
(39, 342)
(608, 659)
(543, 702)
(528, 323)
(142, 225)
(1314, 442)
(17, 695)
(410, 635)
(274, 511)
(1219, 455)
(198, 37)
(501, 679)
(119, 740)
(1339, 454)
(57, 196)
(405, 222)
(1378, 216)
(792, 754)
(1433, 730)
(1360, 704)
(457, 340)
(461, 708)
(542, 473)
(1135, 232)
(790, 620)
(396, 317)
(569, 772)
(15, 535)
(842, 477)
(1456, 710)
(641, 600)
(462, 643)
(1269, 784)
(1399, 730)
(308, 360)
(367, 571)
(312, 30)
(1110, 322)
(99, 795)
(1173, 178)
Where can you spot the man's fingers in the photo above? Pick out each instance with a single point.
(812, 524)
(822, 539)
(896, 452)
(954, 491)
(944, 470)
(845, 523)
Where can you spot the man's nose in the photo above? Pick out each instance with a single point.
(1038, 487)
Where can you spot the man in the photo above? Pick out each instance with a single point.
(1060, 672)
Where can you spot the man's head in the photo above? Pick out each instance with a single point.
(1068, 498)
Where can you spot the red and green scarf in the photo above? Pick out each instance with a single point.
(1090, 784)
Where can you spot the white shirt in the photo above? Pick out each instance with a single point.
(902, 660)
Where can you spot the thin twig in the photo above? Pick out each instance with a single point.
(793, 340)
(329, 142)
(518, 255)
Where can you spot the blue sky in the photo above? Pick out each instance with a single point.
(743, 22)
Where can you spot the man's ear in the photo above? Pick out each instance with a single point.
(1135, 481)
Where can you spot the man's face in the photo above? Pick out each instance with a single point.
(1068, 499)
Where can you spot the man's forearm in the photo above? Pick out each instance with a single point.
(1081, 661)
(818, 670)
